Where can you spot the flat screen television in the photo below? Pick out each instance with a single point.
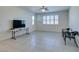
(18, 24)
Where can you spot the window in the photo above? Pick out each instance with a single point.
(50, 19)
(44, 20)
(56, 19)
(33, 18)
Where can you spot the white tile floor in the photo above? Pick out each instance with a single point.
(38, 42)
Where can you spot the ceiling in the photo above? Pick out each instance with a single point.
(37, 9)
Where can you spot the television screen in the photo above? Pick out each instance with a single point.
(18, 24)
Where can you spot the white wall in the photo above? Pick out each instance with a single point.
(63, 22)
(7, 14)
(74, 18)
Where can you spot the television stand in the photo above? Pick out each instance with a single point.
(17, 30)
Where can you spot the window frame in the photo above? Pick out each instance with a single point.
(48, 19)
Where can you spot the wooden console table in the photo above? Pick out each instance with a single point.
(17, 30)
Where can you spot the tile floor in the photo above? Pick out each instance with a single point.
(38, 42)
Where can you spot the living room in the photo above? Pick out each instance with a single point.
(44, 24)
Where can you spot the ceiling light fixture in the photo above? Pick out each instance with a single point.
(44, 9)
